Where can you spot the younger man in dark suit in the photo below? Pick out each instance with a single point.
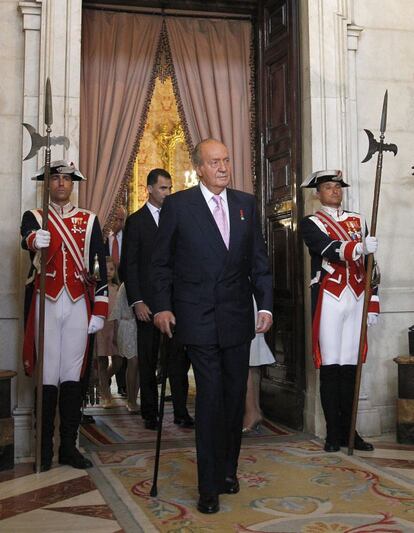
(140, 233)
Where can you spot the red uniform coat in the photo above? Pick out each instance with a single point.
(62, 271)
(334, 263)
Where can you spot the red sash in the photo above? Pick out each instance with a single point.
(340, 234)
(74, 251)
(338, 231)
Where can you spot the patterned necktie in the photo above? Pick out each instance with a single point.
(115, 250)
(221, 219)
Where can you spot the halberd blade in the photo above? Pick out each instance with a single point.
(38, 141)
(48, 104)
(383, 124)
(372, 147)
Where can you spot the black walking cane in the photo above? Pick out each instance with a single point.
(164, 345)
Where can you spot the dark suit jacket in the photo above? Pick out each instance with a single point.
(137, 246)
(206, 286)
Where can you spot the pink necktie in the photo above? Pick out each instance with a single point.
(221, 219)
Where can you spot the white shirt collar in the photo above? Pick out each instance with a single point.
(152, 208)
(62, 210)
(208, 195)
(117, 235)
(334, 212)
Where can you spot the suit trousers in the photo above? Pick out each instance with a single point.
(221, 381)
(178, 366)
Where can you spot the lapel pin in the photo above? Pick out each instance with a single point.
(241, 214)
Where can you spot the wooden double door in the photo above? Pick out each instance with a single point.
(279, 177)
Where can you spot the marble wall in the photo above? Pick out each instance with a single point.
(352, 52)
(41, 39)
(385, 60)
(11, 107)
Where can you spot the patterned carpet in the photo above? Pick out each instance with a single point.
(287, 482)
(116, 426)
(290, 486)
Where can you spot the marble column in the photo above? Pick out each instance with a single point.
(31, 15)
(52, 37)
(330, 115)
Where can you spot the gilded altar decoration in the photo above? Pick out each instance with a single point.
(163, 145)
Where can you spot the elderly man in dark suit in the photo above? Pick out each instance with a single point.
(209, 258)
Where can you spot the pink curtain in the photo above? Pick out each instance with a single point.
(118, 67)
(212, 67)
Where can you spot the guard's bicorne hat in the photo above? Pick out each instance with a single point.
(60, 167)
(322, 176)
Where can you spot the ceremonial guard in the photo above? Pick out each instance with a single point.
(76, 304)
(338, 242)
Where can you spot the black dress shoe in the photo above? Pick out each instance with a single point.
(151, 423)
(44, 466)
(87, 419)
(184, 422)
(231, 485)
(359, 444)
(208, 503)
(75, 459)
(331, 447)
(363, 445)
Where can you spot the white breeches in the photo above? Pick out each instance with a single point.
(66, 335)
(340, 328)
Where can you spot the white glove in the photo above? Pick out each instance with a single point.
(372, 319)
(96, 323)
(370, 245)
(42, 239)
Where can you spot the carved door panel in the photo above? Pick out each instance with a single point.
(282, 389)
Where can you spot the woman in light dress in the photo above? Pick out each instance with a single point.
(260, 355)
(127, 345)
(106, 348)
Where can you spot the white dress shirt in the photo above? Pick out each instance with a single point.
(155, 212)
(208, 196)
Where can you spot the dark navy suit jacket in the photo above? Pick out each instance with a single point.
(206, 286)
(137, 246)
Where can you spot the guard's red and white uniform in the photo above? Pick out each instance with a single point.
(338, 283)
(75, 240)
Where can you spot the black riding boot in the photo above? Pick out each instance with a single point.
(329, 390)
(347, 388)
(49, 402)
(70, 402)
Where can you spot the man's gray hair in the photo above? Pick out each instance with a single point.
(196, 153)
